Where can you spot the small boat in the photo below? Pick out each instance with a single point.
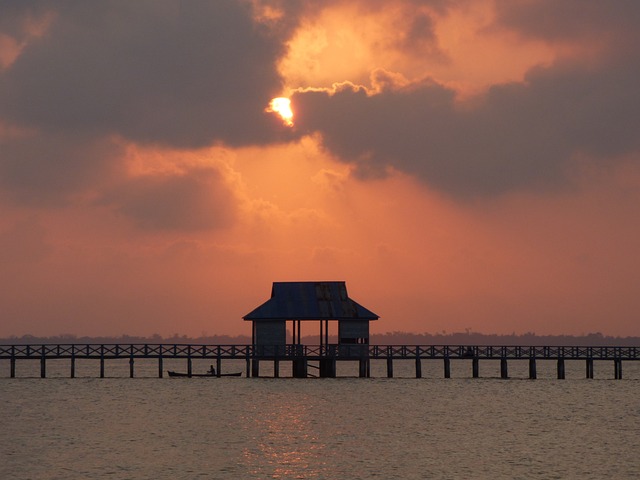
(208, 374)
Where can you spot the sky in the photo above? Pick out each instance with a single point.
(461, 164)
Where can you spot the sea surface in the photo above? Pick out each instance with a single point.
(343, 428)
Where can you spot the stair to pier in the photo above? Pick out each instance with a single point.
(315, 367)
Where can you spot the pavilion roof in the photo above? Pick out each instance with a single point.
(310, 301)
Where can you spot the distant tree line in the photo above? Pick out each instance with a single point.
(389, 338)
(474, 338)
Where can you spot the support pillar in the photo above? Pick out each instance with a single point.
(218, 366)
(101, 361)
(389, 367)
(418, 366)
(73, 366)
(276, 368)
(475, 367)
(43, 367)
(561, 369)
(362, 370)
(300, 368)
(533, 374)
(12, 367)
(589, 367)
(504, 369)
(189, 366)
(255, 367)
(328, 368)
(131, 362)
(447, 367)
(293, 340)
(326, 332)
(248, 364)
(617, 366)
(160, 367)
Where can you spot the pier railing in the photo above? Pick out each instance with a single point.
(325, 355)
(123, 351)
(344, 351)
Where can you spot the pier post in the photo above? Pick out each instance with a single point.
(475, 367)
(12, 367)
(533, 374)
(560, 368)
(160, 367)
(248, 363)
(101, 361)
(189, 364)
(504, 371)
(255, 368)
(131, 366)
(276, 368)
(447, 367)
(617, 367)
(589, 367)
(218, 365)
(43, 364)
(328, 367)
(389, 367)
(418, 363)
(73, 361)
(300, 368)
(362, 368)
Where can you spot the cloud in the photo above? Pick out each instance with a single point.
(179, 74)
(23, 243)
(47, 168)
(519, 135)
(570, 20)
(197, 200)
(80, 80)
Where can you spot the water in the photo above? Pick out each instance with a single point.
(351, 428)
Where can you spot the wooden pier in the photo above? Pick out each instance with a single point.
(322, 358)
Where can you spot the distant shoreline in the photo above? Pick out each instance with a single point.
(390, 338)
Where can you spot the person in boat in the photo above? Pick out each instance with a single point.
(211, 371)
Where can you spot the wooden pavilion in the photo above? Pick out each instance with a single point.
(298, 302)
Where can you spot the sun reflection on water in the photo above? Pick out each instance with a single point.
(285, 440)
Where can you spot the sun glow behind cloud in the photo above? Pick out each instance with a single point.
(282, 107)
(193, 203)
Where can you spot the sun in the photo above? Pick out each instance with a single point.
(282, 107)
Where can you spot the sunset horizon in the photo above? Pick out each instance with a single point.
(462, 165)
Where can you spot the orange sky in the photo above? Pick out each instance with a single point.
(479, 169)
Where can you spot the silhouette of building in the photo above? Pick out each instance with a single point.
(298, 302)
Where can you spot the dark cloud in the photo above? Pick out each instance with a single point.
(518, 135)
(183, 74)
(46, 168)
(23, 244)
(196, 200)
(177, 74)
(16, 17)
(551, 20)
(190, 74)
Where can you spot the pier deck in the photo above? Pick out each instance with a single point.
(325, 355)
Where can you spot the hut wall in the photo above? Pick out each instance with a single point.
(270, 332)
(353, 331)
